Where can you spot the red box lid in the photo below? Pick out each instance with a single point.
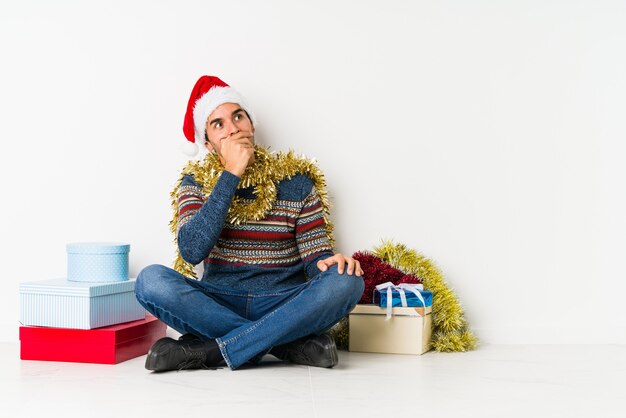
(112, 334)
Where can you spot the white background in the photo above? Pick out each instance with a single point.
(488, 135)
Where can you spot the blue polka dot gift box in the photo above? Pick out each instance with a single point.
(62, 303)
(97, 262)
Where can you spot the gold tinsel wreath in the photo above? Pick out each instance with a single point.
(450, 328)
(264, 174)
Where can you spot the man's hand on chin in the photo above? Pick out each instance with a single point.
(238, 152)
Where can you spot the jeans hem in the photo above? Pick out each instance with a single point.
(222, 347)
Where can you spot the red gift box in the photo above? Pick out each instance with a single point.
(105, 345)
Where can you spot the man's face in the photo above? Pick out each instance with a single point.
(226, 120)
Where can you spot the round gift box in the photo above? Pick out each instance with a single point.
(97, 262)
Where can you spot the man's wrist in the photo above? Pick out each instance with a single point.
(235, 170)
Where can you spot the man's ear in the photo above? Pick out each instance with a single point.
(208, 146)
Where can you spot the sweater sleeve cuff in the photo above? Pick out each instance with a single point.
(229, 180)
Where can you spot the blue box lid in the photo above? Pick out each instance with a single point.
(380, 298)
(64, 287)
(97, 248)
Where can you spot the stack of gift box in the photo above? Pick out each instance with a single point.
(92, 316)
(398, 322)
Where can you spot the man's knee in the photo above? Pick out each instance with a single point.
(354, 287)
(345, 287)
(149, 281)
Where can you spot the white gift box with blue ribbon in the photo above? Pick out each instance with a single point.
(388, 329)
(62, 303)
(97, 261)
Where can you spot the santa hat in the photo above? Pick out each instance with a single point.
(208, 93)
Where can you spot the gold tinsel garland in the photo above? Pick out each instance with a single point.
(450, 329)
(264, 174)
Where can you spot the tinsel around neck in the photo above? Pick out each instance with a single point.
(263, 175)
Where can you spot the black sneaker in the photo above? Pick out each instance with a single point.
(169, 354)
(317, 351)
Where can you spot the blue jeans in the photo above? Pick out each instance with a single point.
(246, 325)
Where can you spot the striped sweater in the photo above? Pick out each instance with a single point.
(272, 253)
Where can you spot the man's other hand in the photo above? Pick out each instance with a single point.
(341, 260)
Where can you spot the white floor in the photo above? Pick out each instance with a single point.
(493, 381)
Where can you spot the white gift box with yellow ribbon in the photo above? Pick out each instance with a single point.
(407, 331)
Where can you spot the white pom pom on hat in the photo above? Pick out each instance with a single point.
(208, 93)
(189, 148)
